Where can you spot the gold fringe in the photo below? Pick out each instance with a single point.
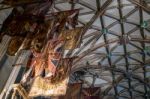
(14, 93)
(21, 91)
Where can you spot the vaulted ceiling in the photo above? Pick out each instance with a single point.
(115, 49)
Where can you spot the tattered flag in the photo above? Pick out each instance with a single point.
(65, 19)
(14, 45)
(91, 93)
(72, 38)
(55, 85)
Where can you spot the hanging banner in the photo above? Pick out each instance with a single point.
(18, 2)
(19, 26)
(41, 87)
(15, 27)
(38, 9)
(55, 85)
(73, 91)
(35, 37)
(65, 19)
(43, 34)
(22, 19)
(91, 93)
(33, 7)
(47, 60)
(18, 43)
(72, 38)
(14, 45)
(95, 91)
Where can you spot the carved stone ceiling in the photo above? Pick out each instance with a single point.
(115, 49)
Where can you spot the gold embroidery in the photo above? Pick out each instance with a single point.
(72, 38)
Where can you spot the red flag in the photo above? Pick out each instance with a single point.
(47, 59)
(73, 91)
(55, 85)
(91, 93)
(54, 55)
(94, 91)
(65, 19)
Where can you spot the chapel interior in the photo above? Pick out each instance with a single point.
(74, 49)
